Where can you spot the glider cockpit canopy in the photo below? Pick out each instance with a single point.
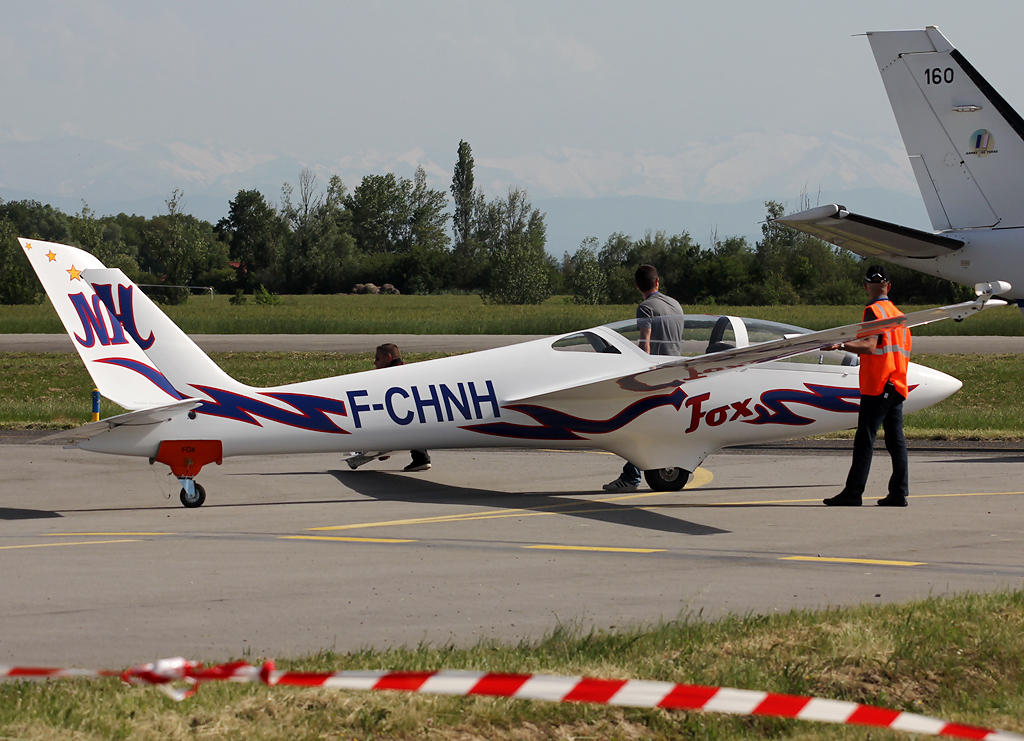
(702, 334)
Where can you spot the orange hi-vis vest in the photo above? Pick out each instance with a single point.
(888, 361)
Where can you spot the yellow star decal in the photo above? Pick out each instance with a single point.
(28, 245)
(52, 255)
(74, 273)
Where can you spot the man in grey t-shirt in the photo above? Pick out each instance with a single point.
(660, 321)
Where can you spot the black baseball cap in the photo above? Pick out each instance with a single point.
(877, 274)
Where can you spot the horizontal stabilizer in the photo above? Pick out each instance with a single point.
(677, 372)
(868, 237)
(142, 417)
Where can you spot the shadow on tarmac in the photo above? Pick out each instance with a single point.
(11, 513)
(393, 487)
(992, 459)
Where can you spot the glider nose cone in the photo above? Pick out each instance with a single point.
(929, 386)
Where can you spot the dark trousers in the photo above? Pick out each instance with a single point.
(885, 410)
(420, 456)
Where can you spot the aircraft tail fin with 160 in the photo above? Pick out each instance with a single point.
(965, 142)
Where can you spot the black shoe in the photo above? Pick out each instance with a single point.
(416, 466)
(842, 500)
(891, 501)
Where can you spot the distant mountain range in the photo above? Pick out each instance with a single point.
(700, 189)
(571, 220)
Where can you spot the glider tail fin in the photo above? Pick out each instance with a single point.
(965, 142)
(172, 351)
(117, 364)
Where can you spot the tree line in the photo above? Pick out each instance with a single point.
(390, 229)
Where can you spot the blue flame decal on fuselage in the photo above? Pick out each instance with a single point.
(555, 425)
(311, 415)
(773, 410)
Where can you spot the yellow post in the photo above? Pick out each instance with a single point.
(95, 405)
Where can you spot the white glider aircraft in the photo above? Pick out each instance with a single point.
(595, 388)
(966, 147)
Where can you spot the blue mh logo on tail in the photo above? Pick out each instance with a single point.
(95, 328)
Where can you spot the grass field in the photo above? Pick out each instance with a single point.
(344, 314)
(956, 659)
(53, 390)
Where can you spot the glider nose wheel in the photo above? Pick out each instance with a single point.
(196, 498)
(667, 479)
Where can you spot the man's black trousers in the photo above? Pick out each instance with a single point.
(885, 410)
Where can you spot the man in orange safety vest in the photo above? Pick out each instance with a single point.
(883, 388)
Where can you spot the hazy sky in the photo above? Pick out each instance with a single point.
(682, 100)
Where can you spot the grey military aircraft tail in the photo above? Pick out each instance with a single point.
(966, 147)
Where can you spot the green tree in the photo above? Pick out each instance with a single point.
(428, 215)
(619, 261)
(514, 237)
(181, 246)
(470, 260)
(772, 259)
(793, 267)
(400, 227)
(92, 235)
(681, 264)
(320, 248)
(464, 195)
(380, 214)
(585, 278)
(33, 220)
(727, 277)
(18, 282)
(254, 232)
(428, 267)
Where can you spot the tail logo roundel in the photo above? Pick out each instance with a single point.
(982, 143)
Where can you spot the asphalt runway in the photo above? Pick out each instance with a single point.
(102, 567)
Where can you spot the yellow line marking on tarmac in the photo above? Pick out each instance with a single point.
(868, 561)
(740, 504)
(63, 535)
(431, 520)
(346, 540)
(52, 545)
(594, 548)
(972, 494)
(867, 502)
(701, 477)
(572, 450)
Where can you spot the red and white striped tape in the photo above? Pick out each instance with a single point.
(622, 692)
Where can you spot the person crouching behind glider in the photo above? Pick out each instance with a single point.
(387, 356)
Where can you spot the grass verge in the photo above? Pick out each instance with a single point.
(53, 390)
(344, 314)
(956, 658)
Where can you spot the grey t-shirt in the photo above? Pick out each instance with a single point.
(664, 316)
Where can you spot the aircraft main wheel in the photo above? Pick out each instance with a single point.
(197, 500)
(667, 479)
